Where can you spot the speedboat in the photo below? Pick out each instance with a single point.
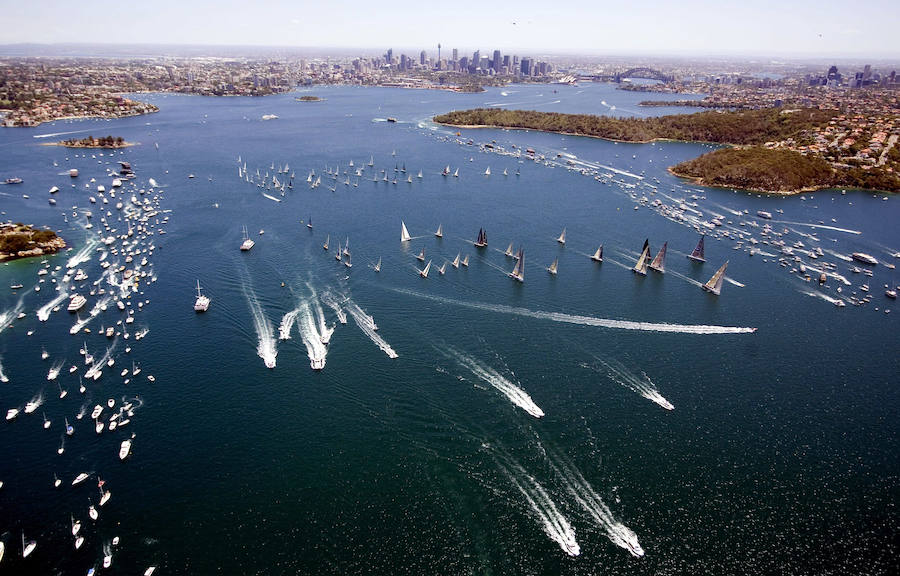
(125, 449)
(80, 478)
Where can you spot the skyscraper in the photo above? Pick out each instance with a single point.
(497, 61)
(455, 55)
(422, 57)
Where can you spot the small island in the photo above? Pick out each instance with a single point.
(771, 150)
(91, 142)
(22, 241)
(309, 99)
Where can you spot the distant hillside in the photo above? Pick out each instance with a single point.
(732, 127)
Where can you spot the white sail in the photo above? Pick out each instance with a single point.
(465, 261)
(456, 261)
(519, 271)
(553, 266)
(487, 171)
(598, 255)
(378, 265)
(440, 231)
(641, 266)
(404, 233)
(509, 250)
(424, 273)
(562, 237)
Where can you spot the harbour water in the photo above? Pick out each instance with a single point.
(592, 421)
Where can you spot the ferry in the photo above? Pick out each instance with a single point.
(76, 303)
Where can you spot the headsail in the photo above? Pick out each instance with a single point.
(697, 254)
(659, 263)
(715, 283)
(641, 266)
(404, 233)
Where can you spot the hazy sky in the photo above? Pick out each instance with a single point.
(784, 27)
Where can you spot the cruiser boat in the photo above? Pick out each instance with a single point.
(864, 258)
(518, 272)
(80, 478)
(202, 302)
(76, 303)
(714, 284)
(12, 413)
(248, 243)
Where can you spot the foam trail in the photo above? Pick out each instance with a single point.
(324, 331)
(552, 521)
(3, 377)
(98, 306)
(311, 337)
(84, 254)
(6, 318)
(54, 134)
(515, 394)
(683, 277)
(825, 297)
(838, 255)
(54, 370)
(98, 365)
(734, 282)
(272, 197)
(821, 226)
(43, 313)
(620, 374)
(330, 301)
(367, 325)
(265, 349)
(585, 320)
(79, 324)
(287, 322)
(584, 494)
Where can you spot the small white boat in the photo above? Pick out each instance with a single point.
(92, 512)
(80, 478)
(27, 547)
(125, 449)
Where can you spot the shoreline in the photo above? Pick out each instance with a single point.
(83, 117)
(64, 145)
(698, 180)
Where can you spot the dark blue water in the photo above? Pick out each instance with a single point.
(780, 455)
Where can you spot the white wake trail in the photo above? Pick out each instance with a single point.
(43, 313)
(266, 348)
(367, 324)
(287, 322)
(7, 317)
(3, 377)
(315, 349)
(820, 226)
(621, 375)
(515, 394)
(584, 494)
(84, 254)
(552, 521)
(585, 320)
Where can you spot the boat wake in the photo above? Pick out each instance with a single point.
(7, 317)
(367, 324)
(43, 313)
(266, 348)
(332, 303)
(309, 332)
(287, 322)
(272, 197)
(515, 394)
(54, 370)
(620, 374)
(584, 494)
(552, 521)
(824, 297)
(79, 324)
(3, 377)
(324, 331)
(585, 320)
(84, 254)
(820, 226)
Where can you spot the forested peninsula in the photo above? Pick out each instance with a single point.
(760, 156)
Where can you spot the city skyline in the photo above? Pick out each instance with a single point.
(804, 29)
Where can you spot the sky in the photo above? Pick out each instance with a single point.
(826, 28)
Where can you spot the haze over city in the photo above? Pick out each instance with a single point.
(691, 27)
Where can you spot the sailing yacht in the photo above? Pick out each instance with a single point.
(481, 241)
(440, 231)
(659, 262)
(509, 250)
(248, 243)
(487, 171)
(419, 175)
(562, 237)
(404, 233)
(325, 245)
(641, 266)
(552, 268)
(714, 284)
(443, 268)
(505, 173)
(518, 272)
(347, 262)
(456, 173)
(309, 223)
(455, 262)
(446, 171)
(202, 302)
(598, 255)
(424, 273)
(346, 250)
(378, 265)
(697, 254)
(465, 261)
(421, 256)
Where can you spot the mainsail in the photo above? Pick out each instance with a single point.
(519, 271)
(697, 254)
(659, 263)
(715, 283)
(404, 233)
